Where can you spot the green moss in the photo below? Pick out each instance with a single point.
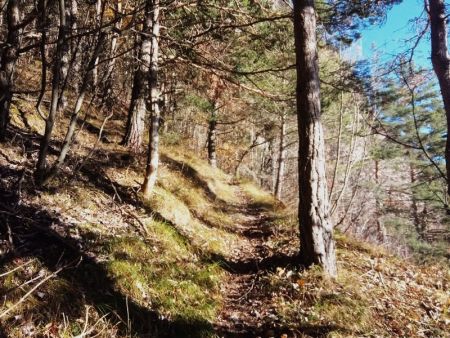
(167, 277)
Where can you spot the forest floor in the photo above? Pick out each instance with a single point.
(205, 256)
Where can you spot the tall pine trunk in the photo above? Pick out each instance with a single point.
(135, 127)
(441, 65)
(316, 231)
(151, 172)
(9, 57)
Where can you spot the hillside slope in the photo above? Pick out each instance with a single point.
(205, 256)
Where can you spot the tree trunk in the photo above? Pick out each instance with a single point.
(9, 57)
(151, 172)
(76, 111)
(107, 97)
(2, 5)
(75, 46)
(212, 136)
(281, 160)
(99, 12)
(441, 65)
(135, 127)
(381, 229)
(65, 62)
(41, 165)
(316, 231)
(418, 224)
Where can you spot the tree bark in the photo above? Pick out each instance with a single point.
(418, 224)
(136, 113)
(76, 111)
(316, 231)
(107, 97)
(151, 172)
(212, 136)
(281, 160)
(441, 65)
(41, 165)
(65, 61)
(381, 229)
(75, 46)
(8, 60)
(99, 12)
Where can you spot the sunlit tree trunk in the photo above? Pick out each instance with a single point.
(65, 61)
(75, 45)
(99, 12)
(441, 65)
(9, 56)
(151, 172)
(135, 127)
(316, 231)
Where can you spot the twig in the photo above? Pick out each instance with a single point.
(16, 268)
(34, 288)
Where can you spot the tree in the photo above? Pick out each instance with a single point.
(410, 115)
(57, 88)
(151, 172)
(136, 114)
(9, 56)
(441, 65)
(316, 231)
(281, 161)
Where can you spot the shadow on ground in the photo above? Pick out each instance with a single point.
(32, 235)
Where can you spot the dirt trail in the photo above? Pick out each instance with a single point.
(248, 309)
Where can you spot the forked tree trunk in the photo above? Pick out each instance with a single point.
(212, 136)
(41, 165)
(316, 231)
(8, 60)
(135, 127)
(151, 172)
(281, 162)
(441, 65)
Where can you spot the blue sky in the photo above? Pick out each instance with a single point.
(389, 39)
